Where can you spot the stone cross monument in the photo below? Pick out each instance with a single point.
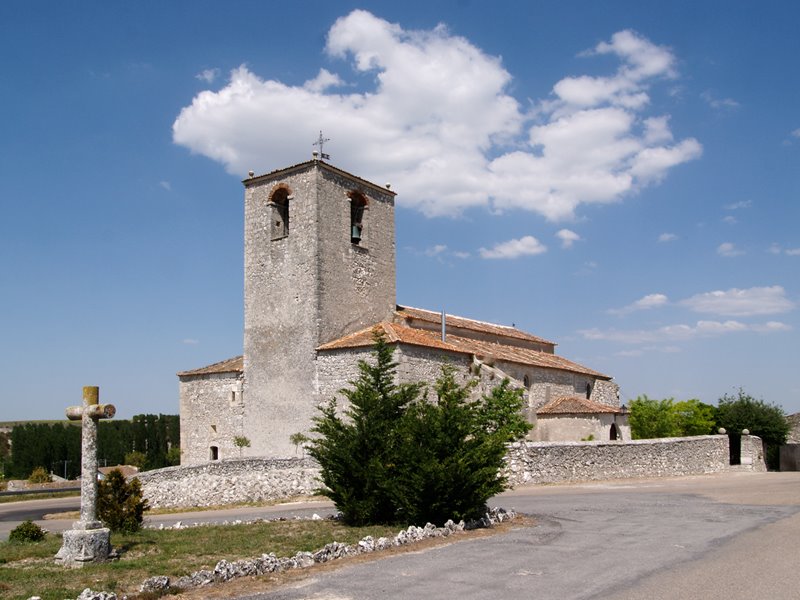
(88, 540)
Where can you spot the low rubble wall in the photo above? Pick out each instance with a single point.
(233, 481)
(229, 481)
(558, 462)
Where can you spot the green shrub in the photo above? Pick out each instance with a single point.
(397, 457)
(27, 531)
(39, 475)
(120, 505)
(136, 459)
(174, 456)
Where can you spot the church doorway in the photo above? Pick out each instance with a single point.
(614, 433)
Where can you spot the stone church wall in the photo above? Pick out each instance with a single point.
(306, 286)
(598, 427)
(211, 412)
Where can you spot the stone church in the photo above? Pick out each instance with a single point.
(319, 277)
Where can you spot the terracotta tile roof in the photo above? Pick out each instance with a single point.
(126, 470)
(429, 316)
(231, 365)
(571, 405)
(396, 333)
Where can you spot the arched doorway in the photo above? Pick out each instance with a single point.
(613, 433)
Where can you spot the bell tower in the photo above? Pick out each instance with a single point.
(319, 263)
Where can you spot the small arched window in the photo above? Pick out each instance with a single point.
(213, 453)
(526, 381)
(358, 203)
(588, 391)
(279, 205)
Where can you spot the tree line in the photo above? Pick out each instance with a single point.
(150, 441)
(650, 418)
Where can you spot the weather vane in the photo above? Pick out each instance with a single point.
(321, 142)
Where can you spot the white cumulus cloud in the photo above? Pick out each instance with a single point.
(681, 332)
(435, 250)
(667, 237)
(739, 205)
(525, 246)
(567, 237)
(719, 103)
(741, 302)
(208, 75)
(729, 250)
(441, 124)
(645, 303)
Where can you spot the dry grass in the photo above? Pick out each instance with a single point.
(29, 569)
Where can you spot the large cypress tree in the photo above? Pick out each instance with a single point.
(394, 456)
(357, 453)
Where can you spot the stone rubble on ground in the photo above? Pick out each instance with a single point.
(269, 563)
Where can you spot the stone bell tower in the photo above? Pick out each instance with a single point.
(319, 263)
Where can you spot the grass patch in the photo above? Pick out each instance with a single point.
(29, 569)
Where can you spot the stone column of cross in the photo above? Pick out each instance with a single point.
(89, 413)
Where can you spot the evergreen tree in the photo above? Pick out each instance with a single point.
(396, 457)
(120, 505)
(357, 454)
(454, 450)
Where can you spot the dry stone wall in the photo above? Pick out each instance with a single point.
(558, 462)
(260, 479)
(229, 482)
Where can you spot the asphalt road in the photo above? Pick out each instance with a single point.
(13, 513)
(722, 537)
(725, 537)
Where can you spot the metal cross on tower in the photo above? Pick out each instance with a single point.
(321, 142)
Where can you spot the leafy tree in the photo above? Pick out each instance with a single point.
(650, 418)
(299, 439)
(398, 457)
(120, 505)
(135, 459)
(241, 442)
(694, 417)
(767, 421)
(174, 456)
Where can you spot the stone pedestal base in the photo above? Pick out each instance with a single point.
(85, 545)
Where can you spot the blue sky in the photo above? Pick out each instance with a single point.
(620, 179)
